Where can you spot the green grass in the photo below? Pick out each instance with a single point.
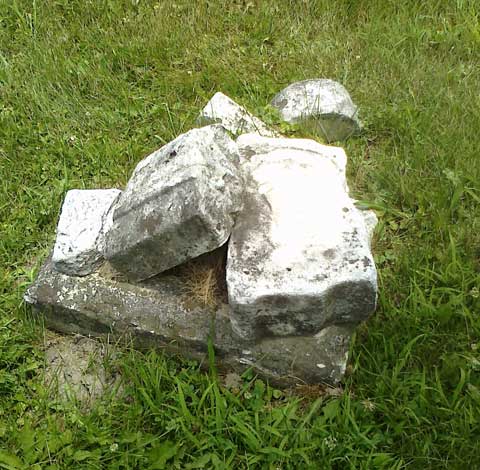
(88, 88)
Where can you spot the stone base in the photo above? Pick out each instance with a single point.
(151, 314)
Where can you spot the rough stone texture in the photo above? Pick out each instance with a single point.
(180, 202)
(150, 313)
(322, 104)
(236, 119)
(371, 221)
(79, 244)
(299, 256)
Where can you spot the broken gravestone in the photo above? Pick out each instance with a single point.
(236, 119)
(299, 269)
(299, 256)
(180, 202)
(321, 104)
(80, 242)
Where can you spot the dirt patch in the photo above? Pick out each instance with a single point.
(78, 368)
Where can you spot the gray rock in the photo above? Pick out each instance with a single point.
(298, 257)
(79, 243)
(151, 315)
(236, 119)
(322, 104)
(180, 202)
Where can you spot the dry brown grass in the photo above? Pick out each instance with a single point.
(203, 280)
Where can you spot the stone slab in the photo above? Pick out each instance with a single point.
(299, 256)
(235, 118)
(151, 314)
(322, 104)
(79, 243)
(180, 202)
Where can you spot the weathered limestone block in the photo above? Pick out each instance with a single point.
(236, 119)
(299, 256)
(79, 244)
(152, 314)
(180, 202)
(322, 104)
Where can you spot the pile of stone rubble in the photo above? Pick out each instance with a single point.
(300, 274)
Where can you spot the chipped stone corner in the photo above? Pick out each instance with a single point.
(233, 117)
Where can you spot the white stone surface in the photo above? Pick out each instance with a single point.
(299, 256)
(235, 118)
(370, 219)
(180, 202)
(254, 144)
(322, 104)
(78, 245)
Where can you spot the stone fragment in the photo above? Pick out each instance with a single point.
(322, 104)
(78, 247)
(151, 314)
(180, 202)
(236, 119)
(298, 257)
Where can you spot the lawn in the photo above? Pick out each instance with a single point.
(90, 87)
